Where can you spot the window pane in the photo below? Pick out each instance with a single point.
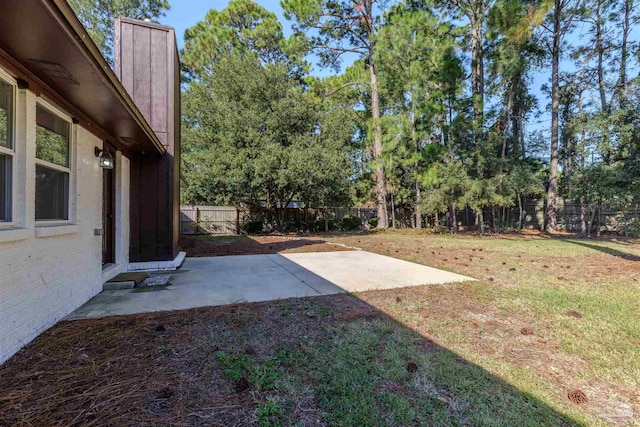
(6, 114)
(5, 188)
(52, 138)
(52, 194)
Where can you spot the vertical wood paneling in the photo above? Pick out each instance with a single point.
(159, 82)
(127, 60)
(164, 213)
(148, 66)
(174, 132)
(148, 201)
(142, 70)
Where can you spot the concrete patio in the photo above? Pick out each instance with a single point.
(252, 278)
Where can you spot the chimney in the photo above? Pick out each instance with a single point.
(147, 62)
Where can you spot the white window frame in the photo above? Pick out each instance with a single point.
(69, 170)
(6, 78)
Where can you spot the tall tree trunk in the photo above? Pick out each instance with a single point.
(552, 192)
(604, 105)
(583, 217)
(454, 221)
(600, 50)
(493, 219)
(416, 144)
(517, 129)
(621, 87)
(476, 17)
(443, 121)
(381, 185)
(393, 212)
(418, 208)
(326, 221)
(520, 213)
(593, 218)
(480, 222)
(507, 122)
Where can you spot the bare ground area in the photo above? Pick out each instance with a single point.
(550, 335)
(204, 246)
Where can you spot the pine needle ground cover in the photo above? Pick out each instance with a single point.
(548, 336)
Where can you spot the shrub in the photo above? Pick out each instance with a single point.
(634, 227)
(206, 227)
(318, 225)
(253, 226)
(373, 221)
(350, 222)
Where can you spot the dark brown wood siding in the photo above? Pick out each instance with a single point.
(148, 65)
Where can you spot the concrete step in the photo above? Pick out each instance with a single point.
(125, 281)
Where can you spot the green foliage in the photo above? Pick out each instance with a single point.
(258, 130)
(350, 222)
(332, 28)
(252, 134)
(242, 28)
(320, 225)
(253, 226)
(206, 227)
(4, 129)
(269, 414)
(373, 221)
(266, 374)
(52, 147)
(97, 17)
(634, 227)
(6, 107)
(235, 366)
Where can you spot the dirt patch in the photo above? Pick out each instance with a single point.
(206, 246)
(573, 313)
(577, 396)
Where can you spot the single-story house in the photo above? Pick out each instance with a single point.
(89, 161)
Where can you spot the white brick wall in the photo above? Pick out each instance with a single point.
(42, 279)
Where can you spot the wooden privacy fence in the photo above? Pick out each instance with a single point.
(230, 219)
(602, 218)
(209, 220)
(605, 218)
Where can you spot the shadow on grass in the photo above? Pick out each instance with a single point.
(605, 249)
(328, 360)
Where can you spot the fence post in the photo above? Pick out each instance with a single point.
(237, 221)
(198, 220)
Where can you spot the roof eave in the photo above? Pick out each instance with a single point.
(69, 22)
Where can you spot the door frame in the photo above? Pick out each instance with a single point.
(109, 209)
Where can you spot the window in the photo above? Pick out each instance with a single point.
(6, 151)
(52, 165)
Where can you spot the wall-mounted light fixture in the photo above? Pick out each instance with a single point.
(106, 161)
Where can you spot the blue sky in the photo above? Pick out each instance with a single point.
(186, 13)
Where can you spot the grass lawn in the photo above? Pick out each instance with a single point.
(548, 336)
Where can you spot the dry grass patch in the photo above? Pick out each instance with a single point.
(577, 301)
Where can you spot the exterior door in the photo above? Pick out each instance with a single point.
(108, 215)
